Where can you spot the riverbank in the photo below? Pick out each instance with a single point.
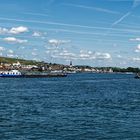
(30, 65)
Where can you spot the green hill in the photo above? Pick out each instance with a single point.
(22, 61)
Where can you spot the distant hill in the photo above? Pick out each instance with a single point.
(22, 61)
(55, 66)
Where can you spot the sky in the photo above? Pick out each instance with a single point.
(86, 32)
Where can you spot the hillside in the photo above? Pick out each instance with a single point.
(22, 61)
(54, 66)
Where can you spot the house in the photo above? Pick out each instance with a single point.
(16, 65)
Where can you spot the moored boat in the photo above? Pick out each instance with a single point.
(137, 76)
(44, 75)
(18, 74)
(11, 73)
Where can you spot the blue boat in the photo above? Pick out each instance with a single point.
(11, 73)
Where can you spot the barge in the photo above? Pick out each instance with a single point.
(18, 74)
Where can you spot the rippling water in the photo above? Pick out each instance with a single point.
(78, 107)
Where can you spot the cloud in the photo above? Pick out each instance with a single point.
(47, 52)
(34, 53)
(67, 55)
(10, 55)
(36, 34)
(10, 51)
(99, 55)
(85, 56)
(62, 54)
(93, 8)
(3, 30)
(55, 42)
(53, 50)
(94, 55)
(36, 59)
(138, 48)
(14, 40)
(35, 49)
(13, 30)
(2, 49)
(82, 55)
(18, 30)
(135, 39)
(119, 56)
(136, 59)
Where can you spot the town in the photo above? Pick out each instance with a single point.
(33, 66)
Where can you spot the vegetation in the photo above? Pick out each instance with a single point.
(22, 61)
(117, 69)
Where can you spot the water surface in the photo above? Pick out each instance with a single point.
(78, 107)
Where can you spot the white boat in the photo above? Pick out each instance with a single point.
(70, 72)
(11, 73)
(137, 76)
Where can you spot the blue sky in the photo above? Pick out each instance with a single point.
(88, 32)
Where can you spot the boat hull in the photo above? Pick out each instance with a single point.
(11, 76)
(137, 77)
(33, 76)
(44, 76)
